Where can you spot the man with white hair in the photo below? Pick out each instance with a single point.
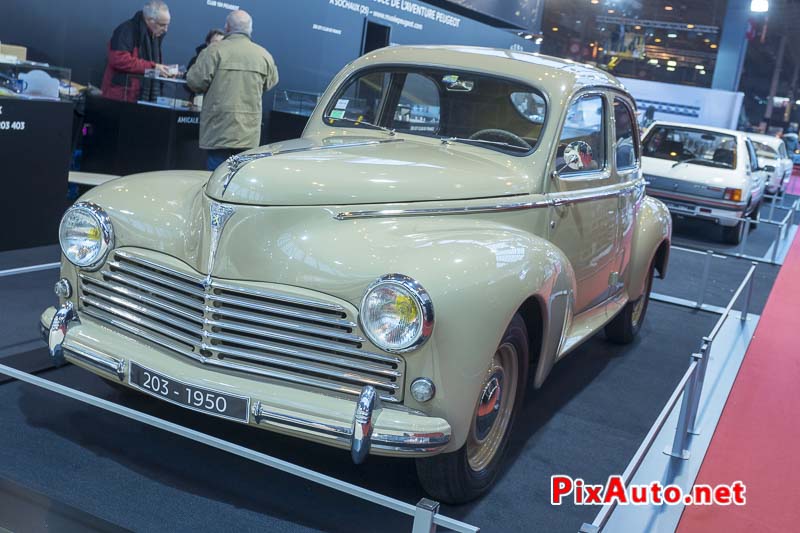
(233, 75)
(135, 46)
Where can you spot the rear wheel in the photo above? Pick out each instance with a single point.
(626, 325)
(733, 234)
(468, 472)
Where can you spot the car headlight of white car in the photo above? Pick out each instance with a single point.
(86, 235)
(396, 313)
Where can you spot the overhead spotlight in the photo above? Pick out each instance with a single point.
(657, 40)
(706, 40)
(759, 6)
(667, 8)
(653, 61)
(714, 46)
(554, 28)
(528, 36)
(703, 72)
(610, 11)
(637, 27)
(689, 26)
(672, 35)
(797, 102)
(595, 2)
(699, 67)
(672, 63)
(671, 69)
(538, 40)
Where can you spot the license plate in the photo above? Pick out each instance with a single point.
(680, 208)
(201, 399)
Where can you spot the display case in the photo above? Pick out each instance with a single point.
(295, 102)
(158, 91)
(35, 81)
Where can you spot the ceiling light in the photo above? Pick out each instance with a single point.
(672, 35)
(699, 67)
(600, 48)
(689, 26)
(797, 102)
(667, 8)
(713, 46)
(528, 36)
(671, 69)
(657, 40)
(538, 40)
(706, 40)
(653, 61)
(555, 28)
(759, 6)
(703, 72)
(610, 11)
(595, 2)
(672, 63)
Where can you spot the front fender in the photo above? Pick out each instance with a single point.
(651, 240)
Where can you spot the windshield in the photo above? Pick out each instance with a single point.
(696, 147)
(454, 105)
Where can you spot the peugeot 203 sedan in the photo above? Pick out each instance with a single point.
(704, 173)
(452, 222)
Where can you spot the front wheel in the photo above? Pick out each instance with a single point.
(624, 327)
(465, 474)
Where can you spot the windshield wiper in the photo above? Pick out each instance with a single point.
(359, 122)
(448, 140)
(700, 160)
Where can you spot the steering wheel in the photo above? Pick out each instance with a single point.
(503, 136)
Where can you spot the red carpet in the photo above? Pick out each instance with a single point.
(794, 183)
(758, 437)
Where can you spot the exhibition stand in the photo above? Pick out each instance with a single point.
(124, 138)
(35, 147)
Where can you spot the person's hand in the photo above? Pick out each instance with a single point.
(163, 71)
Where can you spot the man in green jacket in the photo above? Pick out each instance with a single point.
(233, 74)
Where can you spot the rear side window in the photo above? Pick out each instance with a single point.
(626, 149)
(581, 147)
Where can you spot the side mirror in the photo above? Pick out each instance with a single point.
(577, 155)
(768, 168)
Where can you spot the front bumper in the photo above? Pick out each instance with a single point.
(719, 212)
(364, 426)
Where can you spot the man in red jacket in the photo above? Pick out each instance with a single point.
(135, 46)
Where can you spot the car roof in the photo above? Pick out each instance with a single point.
(553, 74)
(769, 140)
(735, 133)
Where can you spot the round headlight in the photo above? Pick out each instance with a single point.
(396, 313)
(85, 235)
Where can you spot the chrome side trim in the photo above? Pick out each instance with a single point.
(65, 315)
(469, 210)
(366, 407)
(106, 363)
(554, 199)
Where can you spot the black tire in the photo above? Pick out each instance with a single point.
(624, 327)
(450, 478)
(733, 234)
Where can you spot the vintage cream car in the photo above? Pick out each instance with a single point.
(776, 161)
(452, 222)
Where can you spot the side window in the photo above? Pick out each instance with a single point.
(418, 108)
(626, 149)
(581, 147)
(752, 153)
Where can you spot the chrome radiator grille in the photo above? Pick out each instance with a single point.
(270, 334)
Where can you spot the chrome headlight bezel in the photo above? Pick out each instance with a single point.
(421, 299)
(105, 226)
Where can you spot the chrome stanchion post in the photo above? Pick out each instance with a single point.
(749, 294)
(423, 516)
(743, 244)
(699, 381)
(679, 448)
(778, 239)
(772, 208)
(704, 282)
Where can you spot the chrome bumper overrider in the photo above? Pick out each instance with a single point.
(362, 435)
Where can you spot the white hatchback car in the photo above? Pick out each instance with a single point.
(776, 161)
(704, 172)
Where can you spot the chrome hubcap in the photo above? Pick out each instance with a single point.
(494, 409)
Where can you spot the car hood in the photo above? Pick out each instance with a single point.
(361, 170)
(661, 174)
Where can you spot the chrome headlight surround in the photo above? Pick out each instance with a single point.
(409, 287)
(105, 241)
